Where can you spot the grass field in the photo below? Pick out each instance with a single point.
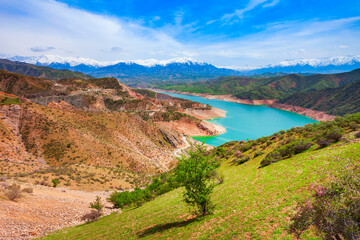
(252, 203)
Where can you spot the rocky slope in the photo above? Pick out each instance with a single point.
(97, 122)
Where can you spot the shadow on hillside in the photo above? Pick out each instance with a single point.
(166, 226)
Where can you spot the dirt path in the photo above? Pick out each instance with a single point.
(45, 210)
(177, 153)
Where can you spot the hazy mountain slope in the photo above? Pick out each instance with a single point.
(335, 101)
(39, 71)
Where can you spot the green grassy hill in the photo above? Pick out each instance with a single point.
(252, 203)
(341, 101)
(268, 88)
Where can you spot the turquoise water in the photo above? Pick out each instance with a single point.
(243, 122)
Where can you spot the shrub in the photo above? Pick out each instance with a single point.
(353, 126)
(13, 192)
(97, 205)
(271, 158)
(3, 178)
(55, 182)
(322, 142)
(357, 135)
(92, 216)
(301, 146)
(27, 190)
(258, 153)
(334, 209)
(5, 185)
(242, 160)
(220, 178)
(238, 154)
(334, 134)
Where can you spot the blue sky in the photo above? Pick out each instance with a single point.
(225, 33)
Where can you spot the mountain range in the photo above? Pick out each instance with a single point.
(323, 65)
(151, 71)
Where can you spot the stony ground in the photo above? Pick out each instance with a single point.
(45, 210)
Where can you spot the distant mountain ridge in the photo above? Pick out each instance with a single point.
(323, 65)
(135, 73)
(142, 73)
(39, 71)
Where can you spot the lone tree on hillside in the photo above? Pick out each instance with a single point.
(195, 173)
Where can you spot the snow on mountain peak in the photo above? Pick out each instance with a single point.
(336, 61)
(75, 61)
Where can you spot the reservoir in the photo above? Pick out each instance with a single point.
(247, 122)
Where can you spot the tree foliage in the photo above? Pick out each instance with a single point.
(195, 173)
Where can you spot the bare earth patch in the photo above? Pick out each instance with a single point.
(45, 210)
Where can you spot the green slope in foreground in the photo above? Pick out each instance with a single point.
(252, 203)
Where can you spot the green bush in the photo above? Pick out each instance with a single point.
(160, 185)
(258, 153)
(55, 182)
(271, 158)
(241, 160)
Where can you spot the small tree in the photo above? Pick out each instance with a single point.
(97, 204)
(194, 173)
(94, 214)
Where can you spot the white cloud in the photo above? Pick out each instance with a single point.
(28, 25)
(271, 4)
(252, 4)
(287, 40)
(44, 22)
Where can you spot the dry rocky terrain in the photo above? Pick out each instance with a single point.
(45, 210)
(91, 136)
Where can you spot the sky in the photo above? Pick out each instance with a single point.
(224, 33)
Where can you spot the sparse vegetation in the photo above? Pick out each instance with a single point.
(13, 192)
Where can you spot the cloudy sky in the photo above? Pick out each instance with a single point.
(224, 33)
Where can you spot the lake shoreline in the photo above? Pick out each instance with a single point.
(313, 114)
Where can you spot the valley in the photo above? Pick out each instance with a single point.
(73, 139)
(184, 120)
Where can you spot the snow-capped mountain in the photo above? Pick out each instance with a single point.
(186, 69)
(133, 72)
(47, 60)
(323, 65)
